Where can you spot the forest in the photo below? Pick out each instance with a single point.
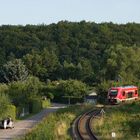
(67, 59)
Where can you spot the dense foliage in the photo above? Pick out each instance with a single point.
(6, 109)
(86, 51)
(22, 92)
(65, 90)
(59, 60)
(14, 70)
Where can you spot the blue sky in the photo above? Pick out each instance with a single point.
(51, 11)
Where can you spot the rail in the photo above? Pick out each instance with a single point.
(82, 129)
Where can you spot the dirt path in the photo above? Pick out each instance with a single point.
(22, 127)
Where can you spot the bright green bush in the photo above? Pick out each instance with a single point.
(3, 88)
(6, 109)
(10, 111)
(46, 103)
(4, 102)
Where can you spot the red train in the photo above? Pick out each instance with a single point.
(121, 94)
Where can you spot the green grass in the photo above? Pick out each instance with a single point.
(57, 126)
(124, 120)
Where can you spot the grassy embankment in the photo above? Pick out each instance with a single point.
(56, 126)
(124, 120)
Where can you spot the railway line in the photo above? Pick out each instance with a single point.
(82, 129)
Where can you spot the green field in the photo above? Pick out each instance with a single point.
(123, 119)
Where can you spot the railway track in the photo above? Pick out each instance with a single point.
(82, 129)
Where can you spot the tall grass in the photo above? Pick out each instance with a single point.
(124, 120)
(56, 126)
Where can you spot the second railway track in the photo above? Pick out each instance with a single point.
(82, 126)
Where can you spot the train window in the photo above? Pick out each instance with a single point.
(123, 94)
(136, 92)
(114, 92)
(130, 94)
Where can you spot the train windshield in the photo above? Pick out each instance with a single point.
(113, 92)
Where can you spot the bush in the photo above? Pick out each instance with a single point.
(46, 103)
(10, 111)
(3, 88)
(6, 109)
(4, 102)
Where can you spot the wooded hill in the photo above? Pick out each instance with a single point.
(86, 51)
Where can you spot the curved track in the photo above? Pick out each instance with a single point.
(82, 126)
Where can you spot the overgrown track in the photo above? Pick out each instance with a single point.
(82, 126)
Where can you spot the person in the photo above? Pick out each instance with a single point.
(5, 124)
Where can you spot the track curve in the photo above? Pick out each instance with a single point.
(82, 126)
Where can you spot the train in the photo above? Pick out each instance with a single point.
(122, 94)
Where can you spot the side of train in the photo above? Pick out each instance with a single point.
(122, 94)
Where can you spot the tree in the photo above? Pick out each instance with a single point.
(50, 63)
(69, 70)
(33, 62)
(42, 64)
(14, 70)
(87, 71)
(122, 63)
(72, 88)
(21, 92)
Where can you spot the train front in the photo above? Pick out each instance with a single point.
(112, 95)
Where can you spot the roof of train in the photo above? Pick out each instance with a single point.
(125, 87)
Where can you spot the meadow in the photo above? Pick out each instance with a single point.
(57, 126)
(123, 120)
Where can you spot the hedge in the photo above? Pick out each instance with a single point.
(10, 111)
(19, 110)
(35, 105)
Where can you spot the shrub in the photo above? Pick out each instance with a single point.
(4, 102)
(46, 103)
(10, 111)
(3, 88)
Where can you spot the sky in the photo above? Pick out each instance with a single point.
(22, 12)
